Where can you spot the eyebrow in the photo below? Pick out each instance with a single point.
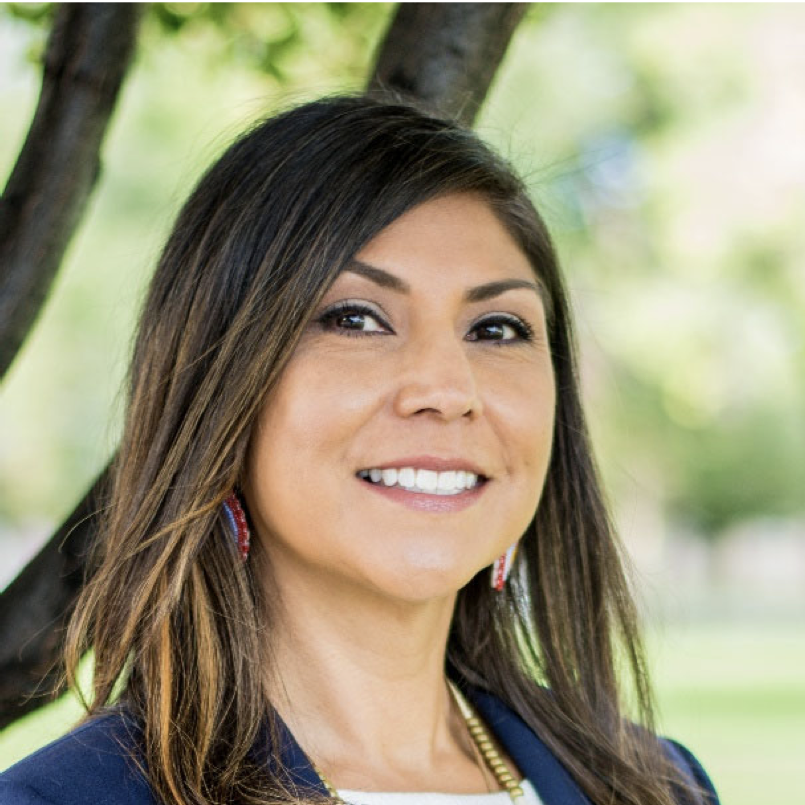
(479, 293)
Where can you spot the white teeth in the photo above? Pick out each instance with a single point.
(447, 481)
(427, 480)
(406, 477)
(450, 482)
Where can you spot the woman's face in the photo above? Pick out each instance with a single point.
(406, 444)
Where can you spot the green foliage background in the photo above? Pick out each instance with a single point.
(673, 185)
(663, 144)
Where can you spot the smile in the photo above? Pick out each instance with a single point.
(428, 482)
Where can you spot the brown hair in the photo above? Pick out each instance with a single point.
(178, 624)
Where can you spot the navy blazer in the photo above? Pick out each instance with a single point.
(93, 764)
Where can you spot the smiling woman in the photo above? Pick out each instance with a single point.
(356, 547)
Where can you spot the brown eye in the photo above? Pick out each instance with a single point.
(353, 320)
(503, 329)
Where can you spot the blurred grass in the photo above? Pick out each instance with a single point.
(734, 695)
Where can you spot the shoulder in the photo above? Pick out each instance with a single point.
(96, 762)
(553, 781)
(690, 767)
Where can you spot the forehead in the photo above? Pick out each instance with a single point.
(452, 239)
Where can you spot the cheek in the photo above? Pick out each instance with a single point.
(538, 435)
(310, 412)
(301, 448)
(282, 452)
(524, 418)
(282, 478)
(542, 434)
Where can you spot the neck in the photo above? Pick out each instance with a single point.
(360, 683)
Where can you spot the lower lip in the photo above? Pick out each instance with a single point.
(422, 501)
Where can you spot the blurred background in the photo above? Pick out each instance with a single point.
(665, 146)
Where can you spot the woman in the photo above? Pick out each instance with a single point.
(356, 543)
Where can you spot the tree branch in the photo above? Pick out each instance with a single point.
(88, 53)
(445, 55)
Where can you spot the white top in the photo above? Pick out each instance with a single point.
(530, 797)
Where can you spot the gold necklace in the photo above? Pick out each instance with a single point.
(507, 781)
(486, 747)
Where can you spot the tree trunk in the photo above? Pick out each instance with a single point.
(88, 53)
(442, 56)
(35, 608)
(445, 55)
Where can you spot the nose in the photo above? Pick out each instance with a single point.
(438, 378)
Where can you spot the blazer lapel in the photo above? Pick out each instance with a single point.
(301, 776)
(533, 758)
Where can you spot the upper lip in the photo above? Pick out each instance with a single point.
(436, 463)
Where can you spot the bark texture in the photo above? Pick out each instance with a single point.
(88, 53)
(445, 55)
(442, 56)
(35, 608)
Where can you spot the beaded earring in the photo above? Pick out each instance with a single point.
(236, 516)
(502, 567)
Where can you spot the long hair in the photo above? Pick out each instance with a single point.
(179, 627)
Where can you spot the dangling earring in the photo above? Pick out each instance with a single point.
(233, 509)
(502, 567)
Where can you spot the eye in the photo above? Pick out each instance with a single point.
(353, 319)
(500, 328)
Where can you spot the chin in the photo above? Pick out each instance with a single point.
(422, 583)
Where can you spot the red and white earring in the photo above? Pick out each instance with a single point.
(233, 509)
(502, 566)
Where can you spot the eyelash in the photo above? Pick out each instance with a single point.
(329, 318)
(524, 330)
